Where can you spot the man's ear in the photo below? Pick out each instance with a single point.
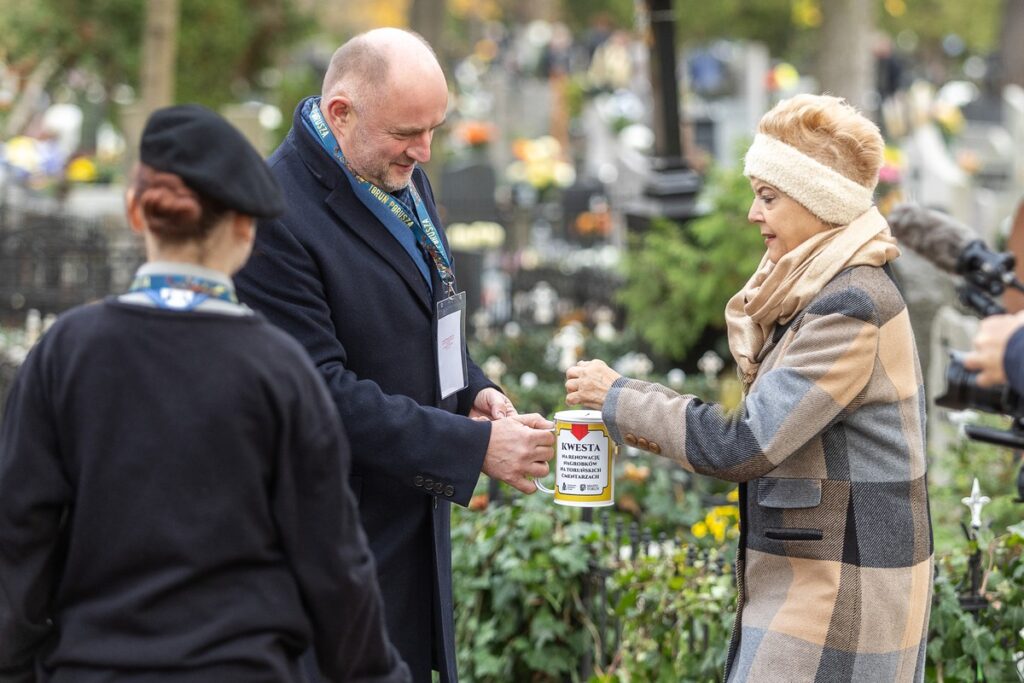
(134, 211)
(339, 111)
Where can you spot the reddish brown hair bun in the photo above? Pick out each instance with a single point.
(172, 209)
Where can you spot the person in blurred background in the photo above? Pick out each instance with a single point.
(174, 503)
(358, 269)
(835, 562)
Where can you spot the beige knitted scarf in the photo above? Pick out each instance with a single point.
(776, 292)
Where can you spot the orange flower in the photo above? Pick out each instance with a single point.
(636, 473)
(479, 502)
(475, 133)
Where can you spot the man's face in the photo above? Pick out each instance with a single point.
(388, 138)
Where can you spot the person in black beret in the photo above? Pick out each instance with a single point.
(174, 497)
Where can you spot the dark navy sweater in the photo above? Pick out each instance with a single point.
(174, 506)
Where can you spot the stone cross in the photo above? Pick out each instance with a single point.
(544, 298)
(568, 341)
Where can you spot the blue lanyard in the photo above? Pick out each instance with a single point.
(385, 207)
(181, 292)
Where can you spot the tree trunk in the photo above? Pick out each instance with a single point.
(1011, 47)
(24, 107)
(159, 49)
(426, 17)
(846, 65)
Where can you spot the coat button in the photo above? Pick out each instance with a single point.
(438, 487)
(428, 484)
(629, 439)
(655, 448)
(643, 443)
(449, 490)
(418, 480)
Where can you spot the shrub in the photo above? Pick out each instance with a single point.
(679, 277)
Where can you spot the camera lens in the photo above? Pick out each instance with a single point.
(962, 391)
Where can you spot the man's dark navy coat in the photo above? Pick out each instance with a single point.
(329, 273)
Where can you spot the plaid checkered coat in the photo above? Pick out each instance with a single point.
(835, 560)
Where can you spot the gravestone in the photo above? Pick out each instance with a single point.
(934, 179)
(467, 193)
(585, 211)
(950, 331)
(467, 197)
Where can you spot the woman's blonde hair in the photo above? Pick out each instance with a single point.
(830, 131)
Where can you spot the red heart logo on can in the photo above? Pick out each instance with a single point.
(580, 431)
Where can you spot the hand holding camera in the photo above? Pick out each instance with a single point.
(990, 348)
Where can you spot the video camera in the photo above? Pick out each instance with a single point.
(986, 274)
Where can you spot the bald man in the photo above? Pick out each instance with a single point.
(358, 269)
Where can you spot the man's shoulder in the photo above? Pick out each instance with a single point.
(286, 154)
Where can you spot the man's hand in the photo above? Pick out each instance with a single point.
(587, 383)
(519, 450)
(990, 346)
(491, 404)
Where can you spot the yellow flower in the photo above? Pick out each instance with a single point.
(949, 117)
(81, 170)
(726, 511)
(699, 530)
(733, 495)
(717, 528)
(806, 13)
(896, 8)
(893, 156)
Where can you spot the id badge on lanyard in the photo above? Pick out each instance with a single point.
(451, 344)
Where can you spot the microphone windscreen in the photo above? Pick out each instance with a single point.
(934, 235)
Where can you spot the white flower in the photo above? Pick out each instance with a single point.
(634, 365)
(494, 369)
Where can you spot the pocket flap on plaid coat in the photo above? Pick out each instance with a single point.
(788, 493)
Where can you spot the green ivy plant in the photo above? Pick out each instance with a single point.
(680, 277)
(988, 645)
(676, 615)
(519, 572)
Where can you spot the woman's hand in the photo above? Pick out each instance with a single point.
(587, 383)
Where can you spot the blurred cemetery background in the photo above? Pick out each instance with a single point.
(589, 178)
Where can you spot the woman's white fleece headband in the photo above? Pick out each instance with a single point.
(827, 194)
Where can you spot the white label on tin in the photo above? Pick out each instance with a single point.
(582, 461)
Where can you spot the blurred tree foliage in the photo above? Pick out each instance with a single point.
(579, 14)
(976, 23)
(790, 27)
(679, 278)
(223, 45)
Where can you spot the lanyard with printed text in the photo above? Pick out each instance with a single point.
(375, 198)
(181, 292)
(451, 355)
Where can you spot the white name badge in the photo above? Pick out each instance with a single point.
(451, 344)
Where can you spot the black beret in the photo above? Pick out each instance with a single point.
(212, 157)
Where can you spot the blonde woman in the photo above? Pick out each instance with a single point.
(834, 568)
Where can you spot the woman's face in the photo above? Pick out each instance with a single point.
(784, 223)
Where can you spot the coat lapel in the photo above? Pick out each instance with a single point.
(354, 216)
